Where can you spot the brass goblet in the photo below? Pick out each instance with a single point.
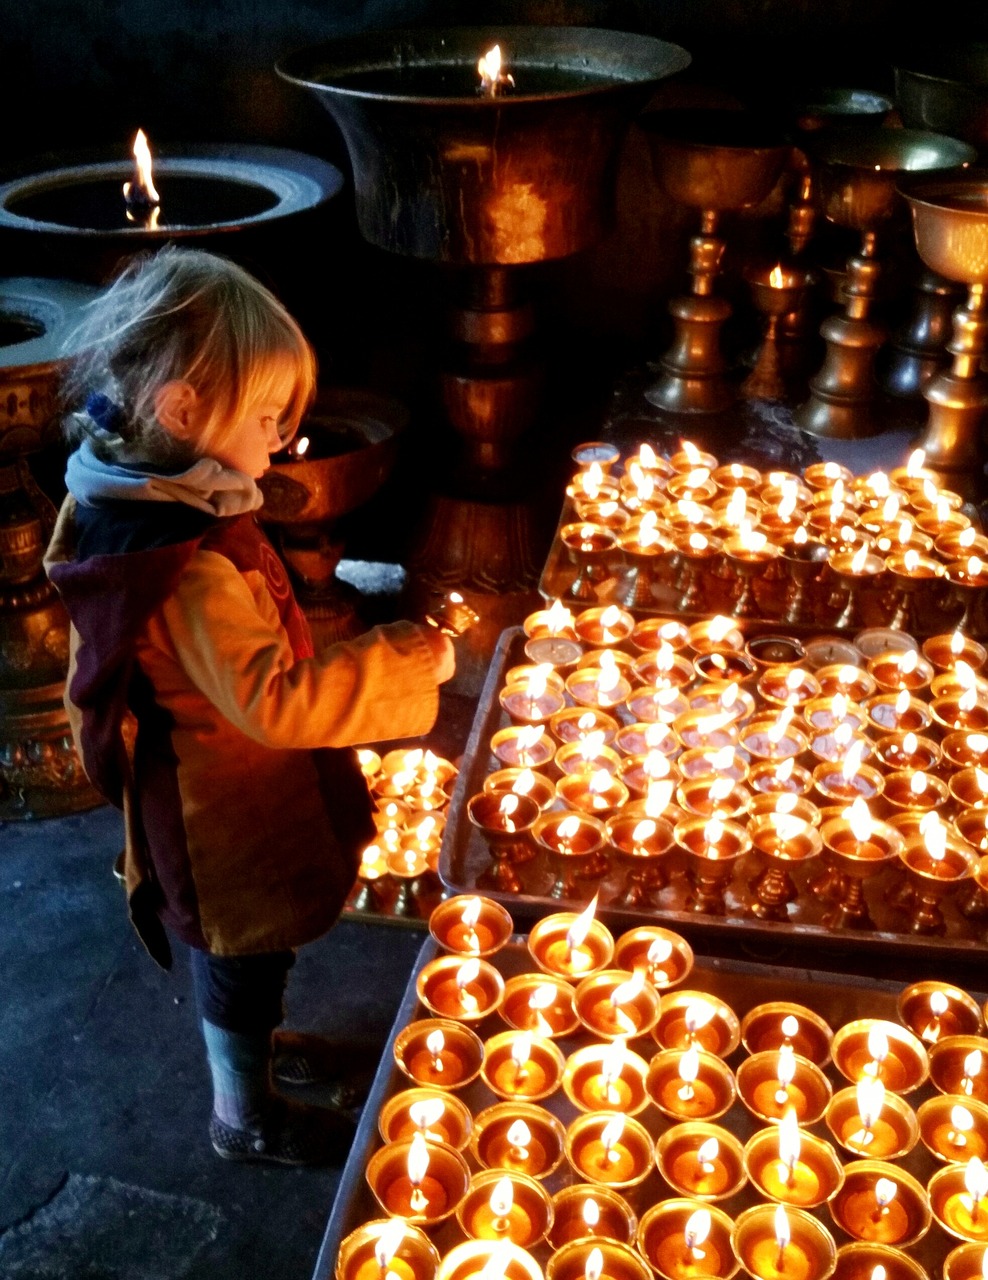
(776, 294)
(856, 861)
(714, 161)
(858, 173)
(950, 224)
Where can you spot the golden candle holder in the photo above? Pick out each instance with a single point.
(899, 713)
(665, 957)
(475, 1258)
(591, 791)
(772, 1242)
(652, 633)
(520, 1064)
(578, 1258)
(574, 724)
(604, 625)
(439, 1052)
(868, 1121)
(700, 555)
(590, 1211)
(586, 754)
(374, 884)
(701, 728)
(935, 1010)
(969, 787)
(502, 1205)
(598, 687)
(437, 1116)
(702, 1161)
(857, 574)
(871, 1048)
(640, 774)
(554, 623)
(946, 651)
(915, 581)
(806, 1176)
(719, 633)
(709, 797)
(855, 683)
(897, 670)
(777, 778)
(650, 557)
(768, 1027)
(689, 1018)
(411, 1256)
(523, 747)
(518, 1136)
(751, 559)
(857, 856)
(959, 1065)
(686, 1239)
(858, 1261)
(540, 1003)
(908, 751)
(965, 748)
(570, 946)
(785, 840)
(609, 1148)
(690, 1084)
(959, 1200)
(504, 820)
(773, 1082)
(466, 990)
(764, 739)
(713, 849)
(954, 1130)
(968, 578)
(966, 1262)
(591, 549)
(573, 843)
(882, 1204)
(657, 704)
(615, 1003)
(952, 713)
(914, 791)
(805, 563)
(427, 1195)
(776, 293)
(469, 925)
(725, 666)
(712, 762)
(606, 1078)
(935, 874)
(531, 695)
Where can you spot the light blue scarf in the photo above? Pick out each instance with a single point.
(207, 485)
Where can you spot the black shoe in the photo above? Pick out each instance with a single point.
(290, 1134)
(301, 1059)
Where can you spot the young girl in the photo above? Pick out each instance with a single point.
(196, 701)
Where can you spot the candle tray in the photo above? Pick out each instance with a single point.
(741, 985)
(717, 587)
(465, 865)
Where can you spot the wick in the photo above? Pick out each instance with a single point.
(472, 941)
(519, 1154)
(686, 1093)
(419, 1202)
(956, 1139)
(862, 1137)
(780, 1261)
(781, 1096)
(967, 1085)
(437, 1064)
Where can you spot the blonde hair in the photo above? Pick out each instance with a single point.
(190, 316)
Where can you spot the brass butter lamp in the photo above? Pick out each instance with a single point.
(715, 161)
(857, 174)
(950, 223)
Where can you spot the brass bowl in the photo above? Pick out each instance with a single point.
(950, 223)
(948, 92)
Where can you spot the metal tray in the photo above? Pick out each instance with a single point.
(465, 861)
(741, 985)
(822, 602)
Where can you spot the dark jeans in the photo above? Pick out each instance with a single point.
(241, 993)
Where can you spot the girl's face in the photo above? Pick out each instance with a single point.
(249, 445)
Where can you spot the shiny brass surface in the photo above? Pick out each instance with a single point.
(947, 91)
(950, 223)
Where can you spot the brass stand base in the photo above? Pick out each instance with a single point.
(482, 546)
(40, 774)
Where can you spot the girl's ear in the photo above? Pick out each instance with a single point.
(176, 408)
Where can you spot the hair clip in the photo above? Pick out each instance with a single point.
(109, 417)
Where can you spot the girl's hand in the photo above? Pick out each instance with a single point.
(443, 653)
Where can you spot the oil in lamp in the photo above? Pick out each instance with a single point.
(387, 1246)
(609, 1148)
(684, 1239)
(569, 945)
(690, 1085)
(586, 1211)
(418, 1180)
(773, 1242)
(519, 1136)
(959, 1199)
(519, 1064)
(606, 1077)
(791, 1166)
(505, 1206)
(871, 1048)
(954, 1131)
(957, 1066)
(771, 1083)
(540, 1003)
(868, 1121)
(437, 1116)
(701, 1160)
(882, 1204)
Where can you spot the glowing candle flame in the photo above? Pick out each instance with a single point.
(972, 1069)
(507, 806)
(519, 1137)
(643, 831)
(542, 998)
(689, 1069)
(777, 730)
(707, 1153)
(301, 447)
(961, 1123)
(628, 991)
(885, 1192)
(859, 820)
(789, 1144)
(435, 1043)
(418, 1164)
(492, 78)
(468, 972)
(790, 1026)
(612, 1062)
(581, 926)
(502, 1198)
(776, 279)
(471, 912)
(697, 1230)
(870, 1096)
(141, 190)
(719, 628)
(496, 1266)
(389, 1242)
(594, 1267)
(918, 783)
(712, 835)
(591, 1214)
(659, 952)
(521, 1051)
(957, 639)
(696, 1016)
(426, 1113)
(878, 1048)
(610, 1136)
(976, 1179)
(783, 1234)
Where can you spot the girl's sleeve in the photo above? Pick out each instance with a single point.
(235, 652)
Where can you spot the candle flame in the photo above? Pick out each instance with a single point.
(496, 1266)
(507, 806)
(972, 1064)
(611, 1132)
(426, 1112)
(389, 1241)
(612, 1061)
(859, 559)
(878, 1272)
(418, 1160)
(915, 464)
(776, 279)
(594, 1267)
(885, 1192)
(628, 991)
(781, 1224)
(643, 831)
(934, 837)
(558, 618)
(789, 1140)
(790, 1026)
(939, 1004)
(708, 1151)
(581, 926)
(538, 680)
(435, 1043)
(961, 1119)
(878, 1045)
(786, 1065)
(957, 639)
(918, 783)
(689, 1065)
(719, 628)
(697, 1014)
(542, 998)
(777, 730)
(519, 1135)
(591, 1213)
(659, 952)
(976, 1179)
(697, 1228)
(712, 834)
(870, 1095)
(859, 817)
(502, 1198)
(142, 188)
(302, 446)
(468, 971)
(521, 1049)
(471, 912)
(491, 76)
(693, 455)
